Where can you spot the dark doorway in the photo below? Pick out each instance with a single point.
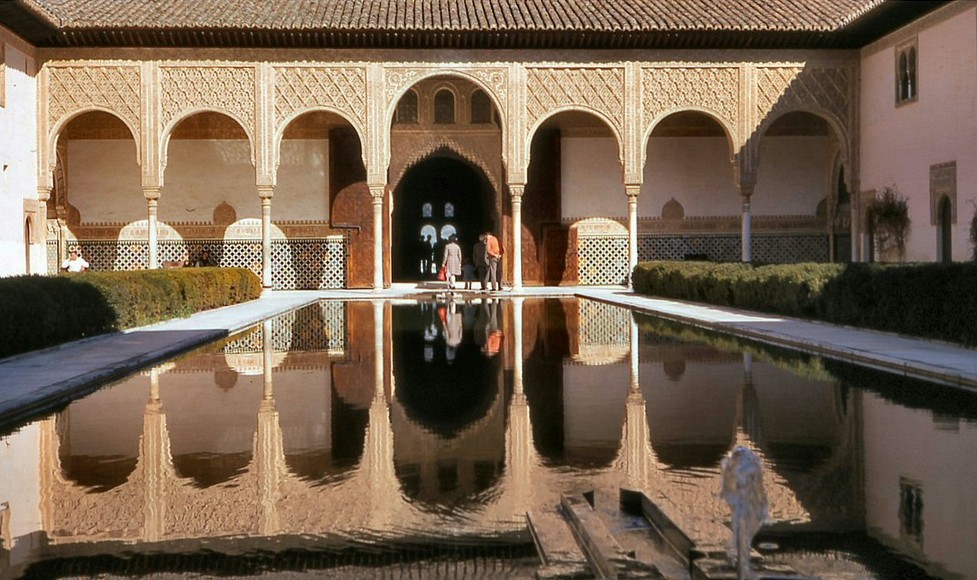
(436, 198)
(945, 226)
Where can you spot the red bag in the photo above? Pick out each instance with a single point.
(443, 274)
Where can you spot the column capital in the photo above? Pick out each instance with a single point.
(632, 190)
(745, 189)
(151, 192)
(44, 193)
(516, 190)
(266, 192)
(377, 191)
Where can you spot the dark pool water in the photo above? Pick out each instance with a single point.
(384, 439)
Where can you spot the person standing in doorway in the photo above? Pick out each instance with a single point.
(452, 260)
(478, 258)
(493, 255)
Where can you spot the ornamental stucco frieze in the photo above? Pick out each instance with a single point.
(225, 88)
(674, 87)
(780, 89)
(551, 88)
(342, 88)
(84, 87)
(493, 80)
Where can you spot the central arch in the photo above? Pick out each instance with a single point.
(438, 197)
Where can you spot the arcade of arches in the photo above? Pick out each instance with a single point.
(331, 175)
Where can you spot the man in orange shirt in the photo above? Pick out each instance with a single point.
(493, 253)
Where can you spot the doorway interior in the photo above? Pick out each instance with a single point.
(437, 198)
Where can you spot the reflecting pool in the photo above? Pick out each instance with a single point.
(378, 438)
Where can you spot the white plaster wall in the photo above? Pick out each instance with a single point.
(302, 192)
(696, 171)
(910, 443)
(103, 180)
(899, 144)
(20, 454)
(794, 175)
(202, 174)
(18, 158)
(592, 178)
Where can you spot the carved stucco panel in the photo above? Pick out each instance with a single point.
(223, 87)
(601, 89)
(304, 87)
(786, 88)
(670, 88)
(73, 88)
(494, 79)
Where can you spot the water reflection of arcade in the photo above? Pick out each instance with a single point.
(448, 415)
(324, 442)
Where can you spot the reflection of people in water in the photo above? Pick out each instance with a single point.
(492, 334)
(453, 327)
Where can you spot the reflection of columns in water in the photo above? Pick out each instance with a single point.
(638, 461)
(157, 463)
(519, 435)
(749, 422)
(269, 451)
(382, 499)
(633, 342)
(517, 346)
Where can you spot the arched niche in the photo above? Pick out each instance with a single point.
(574, 171)
(688, 168)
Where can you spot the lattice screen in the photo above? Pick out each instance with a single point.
(602, 260)
(304, 263)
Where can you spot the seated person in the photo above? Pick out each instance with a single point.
(204, 260)
(75, 263)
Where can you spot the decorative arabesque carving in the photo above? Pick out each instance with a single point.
(672, 88)
(494, 79)
(224, 88)
(75, 88)
(788, 88)
(601, 89)
(302, 87)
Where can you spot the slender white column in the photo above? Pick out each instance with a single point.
(746, 191)
(377, 192)
(516, 190)
(152, 198)
(265, 193)
(632, 192)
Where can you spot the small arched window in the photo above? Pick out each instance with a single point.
(426, 210)
(444, 107)
(481, 107)
(406, 111)
(906, 81)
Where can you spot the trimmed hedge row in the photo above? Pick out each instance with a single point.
(41, 311)
(927, 300)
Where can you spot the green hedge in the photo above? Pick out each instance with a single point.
(927, 300)
(41, 311)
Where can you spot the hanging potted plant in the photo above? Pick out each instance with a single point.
(888, 220)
